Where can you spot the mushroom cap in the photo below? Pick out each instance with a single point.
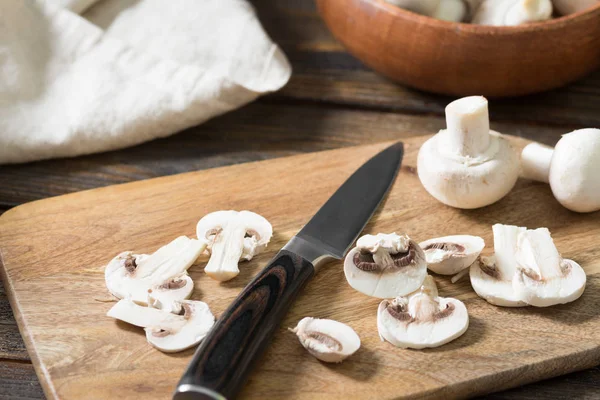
(449, 255)
(162, 273)
(544, 278)
(491, 277)
(490, 287)
(574, 176)
(198, 322)
(326, 339)
(232, 236)
(251, 221)
(554, 290)
(422, 319)
(466, 183)
(390, 281)
(167, 331)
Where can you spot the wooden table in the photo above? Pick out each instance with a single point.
(331, 101)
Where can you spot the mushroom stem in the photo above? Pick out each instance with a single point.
(505, 248)
(468, 127)
(538, 254)
(226, 252)
(535, 162)
(134, 314)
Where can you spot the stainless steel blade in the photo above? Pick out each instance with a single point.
(334, 228)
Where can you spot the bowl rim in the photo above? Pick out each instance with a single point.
(552, 24)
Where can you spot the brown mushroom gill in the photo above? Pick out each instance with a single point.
(365, 262)
(455, 248)
(252, 233)
(325, 339)
(186, 311)
(565, 269)
(212, 233)
(161, 333)
(490, 270)
(400, 312)
(130, 264)
(173, 284)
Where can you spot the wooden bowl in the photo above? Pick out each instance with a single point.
(464, 59)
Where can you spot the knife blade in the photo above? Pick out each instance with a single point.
(224, 359)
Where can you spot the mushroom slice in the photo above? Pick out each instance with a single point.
(385, 265)
(326, 339)
(491, 277)
(543, 277)
(422, 319)
(232, 236)
(166, 331)
(162, 273)
(449, 255)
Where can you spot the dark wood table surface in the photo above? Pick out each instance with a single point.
(331, 101)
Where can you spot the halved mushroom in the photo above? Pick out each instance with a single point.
(167, 331)
(163, 273)
(543, 278)
(326, 339)
(422, 319)
(385, 265)
(492, 277)
(232, 236)
(449, 255)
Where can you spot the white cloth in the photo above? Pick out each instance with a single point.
(124, 71)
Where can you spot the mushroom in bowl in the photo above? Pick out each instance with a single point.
(461, 59)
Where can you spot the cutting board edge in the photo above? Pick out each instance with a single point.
(529, 375)
(38, 365)
(590, 359)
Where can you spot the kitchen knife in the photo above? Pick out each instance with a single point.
(224, 359)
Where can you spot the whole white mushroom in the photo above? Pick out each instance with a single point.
(572, 168)
(467, 165)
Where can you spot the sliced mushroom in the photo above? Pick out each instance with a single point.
(449, 255)
(422, 319)
(162, 273)
(492, 277)
(543, 278)
(326, 339)
(232, 236)
(165, 330)
(385, 265)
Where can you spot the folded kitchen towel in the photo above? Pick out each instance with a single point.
(124, 71)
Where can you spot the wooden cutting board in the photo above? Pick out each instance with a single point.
(53, 252)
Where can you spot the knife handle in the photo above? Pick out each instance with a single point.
(224, 359)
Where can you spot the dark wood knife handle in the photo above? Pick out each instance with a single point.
(223, 360)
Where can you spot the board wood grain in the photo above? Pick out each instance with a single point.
(53, 252)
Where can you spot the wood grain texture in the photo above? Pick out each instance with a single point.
(255, 132)
(77, 351)
(465, 59)
(19, 381)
